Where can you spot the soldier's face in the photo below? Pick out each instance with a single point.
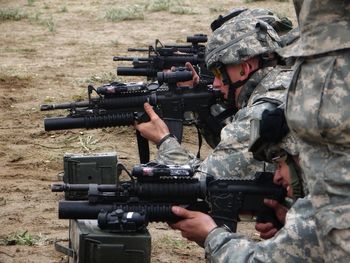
(234, 73)
(218, 84)
(282, 176)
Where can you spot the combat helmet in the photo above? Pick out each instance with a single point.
(281, 24)
(238, 40)
(271, 140)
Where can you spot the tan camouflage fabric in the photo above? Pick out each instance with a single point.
(324, 26)
(239, 40)
(318, 112)
(272, 88)
(290, 144)
(231, 157)
(295, 242)
(280, 23)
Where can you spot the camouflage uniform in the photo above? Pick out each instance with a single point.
(295, 242)
(318, 112)
(231, 156)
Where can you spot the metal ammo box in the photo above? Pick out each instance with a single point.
(98, 168)
(87, 242)
(92, 245)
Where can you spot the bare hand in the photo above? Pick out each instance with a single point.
(268, 230)
(195, 226)
(195, 77)
(155, 129)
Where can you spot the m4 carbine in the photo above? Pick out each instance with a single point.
(154, 189)
(120, 104)
(161, 57)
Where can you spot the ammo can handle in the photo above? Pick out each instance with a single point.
(64, 249)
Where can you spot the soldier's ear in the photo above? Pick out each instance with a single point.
(245, 70)
(242, 71)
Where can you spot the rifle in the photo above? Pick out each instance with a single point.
(120, 104)
(153, 189)
(194, 48)
(162, 57)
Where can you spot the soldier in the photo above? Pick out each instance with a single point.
(318, 112)
(295, 242)
(241, 55)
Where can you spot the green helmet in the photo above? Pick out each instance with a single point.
(238, 40)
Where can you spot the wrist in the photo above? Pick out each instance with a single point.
(165, 137)
(215, 232)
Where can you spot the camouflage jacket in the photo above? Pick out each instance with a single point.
(231, 156)
(295, 242)
(324, 27)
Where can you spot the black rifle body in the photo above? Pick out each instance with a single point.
(223, 199)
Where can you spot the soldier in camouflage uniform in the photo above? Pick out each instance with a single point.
(295, 242)
(318, 112)
(232, 45)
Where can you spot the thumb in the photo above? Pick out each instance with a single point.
(280, 210)
(271, 203)
(149, 110)
(181, 212)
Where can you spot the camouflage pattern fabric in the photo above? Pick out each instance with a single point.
(238, 40)
(280, 23)
(295, 242)
(318, 112)
(324, 27)
(231, 157)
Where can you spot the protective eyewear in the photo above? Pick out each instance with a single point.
(217, 73)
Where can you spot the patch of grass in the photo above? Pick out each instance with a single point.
(105, 77)
(182, 10)
(23, 238)
(173, 242)
(88, 143)
(173, 6)
(115, 43)
(63, 9)
(217, 9)
(250, 1)
(49, 99)
(50, 24)
(35, 17)
(158, 5)
(14, 14)
(79, 97)
(30, 2)
(134, 12)
(21, 50)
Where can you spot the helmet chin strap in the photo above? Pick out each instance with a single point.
(232, 86)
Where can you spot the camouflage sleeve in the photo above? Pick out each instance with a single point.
(231, 158)
(171, 152)
(295, 242)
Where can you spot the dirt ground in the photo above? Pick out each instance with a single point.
(50, 55)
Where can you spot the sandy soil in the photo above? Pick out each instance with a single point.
(39, 66)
